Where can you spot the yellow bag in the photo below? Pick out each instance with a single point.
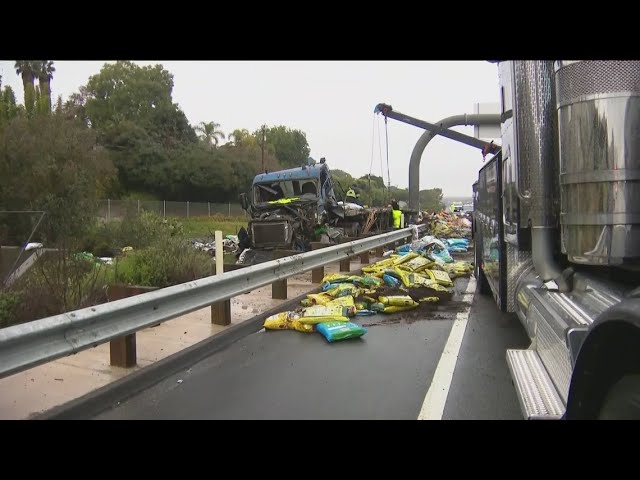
(343, 289)
(416, 263)
(441, 277)
(429, 300)
(381, 265)
(319, 298)
(298, 326)
(346, 301)
(419, 280)
(325, 311)
(398, 301)
(316, 320)
(335, 278)
(404, 258)
(281, 321)
(403, 275)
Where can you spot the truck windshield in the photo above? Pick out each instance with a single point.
(272, 191)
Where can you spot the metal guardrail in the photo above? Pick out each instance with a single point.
(31, 344)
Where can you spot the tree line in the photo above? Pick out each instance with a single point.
(121, 135)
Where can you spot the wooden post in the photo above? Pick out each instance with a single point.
(345, 264)
(123, 349)
(220, 311)
(364, 256)
(279, 287)
(317, 274)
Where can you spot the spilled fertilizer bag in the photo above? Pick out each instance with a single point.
(429, 300)
(287, 321)
(367, 281)
(440, 276)
(343, 289)
(319, 298)
(335, 331)
(323, 313)
(382, 308)
(416, 264)
(329, 286)
(335, 278)
(330, 310)
(404, 258)
(398, 301)
(390, 281)
(341, 302)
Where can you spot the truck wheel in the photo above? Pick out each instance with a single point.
(481, 279)
(622, 402)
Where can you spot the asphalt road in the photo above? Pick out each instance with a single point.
(385, 374)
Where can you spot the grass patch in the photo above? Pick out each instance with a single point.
(203, 227)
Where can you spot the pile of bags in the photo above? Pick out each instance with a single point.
(420, 273)
(445, 224)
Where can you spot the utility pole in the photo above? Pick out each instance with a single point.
(263, 140)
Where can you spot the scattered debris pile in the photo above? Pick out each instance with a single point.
(446, 225)
(229, 245)
(419, 274)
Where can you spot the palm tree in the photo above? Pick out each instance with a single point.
(45, 75)
(210, 133)
(28, 69)
(239, 136)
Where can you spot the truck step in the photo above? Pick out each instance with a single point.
(538, 397)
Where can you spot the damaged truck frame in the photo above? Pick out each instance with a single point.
(291, 208)
(557, 234)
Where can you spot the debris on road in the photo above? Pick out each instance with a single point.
(415, 276)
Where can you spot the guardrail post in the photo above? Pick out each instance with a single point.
(221, 311)
(317, 274)
(364, 256)
(279, 287)
(345, 264)
(379, 252)
(122, 350)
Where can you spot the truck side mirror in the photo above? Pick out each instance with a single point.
(244, 201)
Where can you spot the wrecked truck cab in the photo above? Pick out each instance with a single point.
(286, 208)
(291, 208)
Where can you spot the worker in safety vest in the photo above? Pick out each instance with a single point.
(352, 196)
(396, 213)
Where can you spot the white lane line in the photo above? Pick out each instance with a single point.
(436, 399)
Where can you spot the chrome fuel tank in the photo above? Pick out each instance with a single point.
(598, 106)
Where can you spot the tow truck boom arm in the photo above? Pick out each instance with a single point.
(486, 147)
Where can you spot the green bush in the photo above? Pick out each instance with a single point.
(9, 303)
(139, 231)
(57, 283)
(163, 264)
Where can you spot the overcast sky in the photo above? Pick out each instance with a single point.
(332, 102)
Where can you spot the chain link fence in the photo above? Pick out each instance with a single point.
(110, 209)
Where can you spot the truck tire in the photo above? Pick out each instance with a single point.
(622, 401)
(481, 279)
